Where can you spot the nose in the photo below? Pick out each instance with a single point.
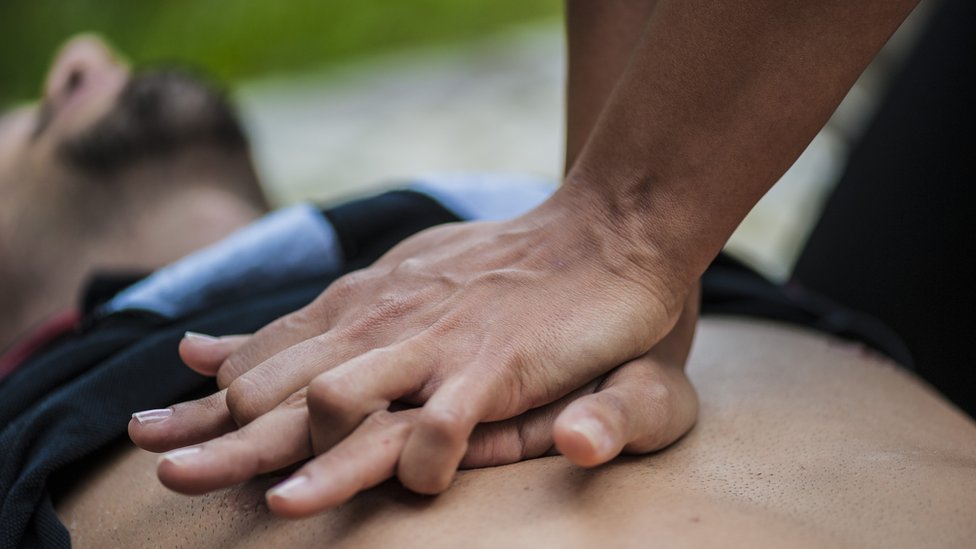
(84, 62)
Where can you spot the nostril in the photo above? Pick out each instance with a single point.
(75, 79)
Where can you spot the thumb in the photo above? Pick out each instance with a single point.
(643, 406)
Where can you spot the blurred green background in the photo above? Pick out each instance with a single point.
(238, 39)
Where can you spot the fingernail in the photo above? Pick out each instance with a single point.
(152, 416)
(194, 336)
(176, 456)
(290, 488)
(596, 434)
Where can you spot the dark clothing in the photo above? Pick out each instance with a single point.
(76, 398)
(731, 288)
(897, 238)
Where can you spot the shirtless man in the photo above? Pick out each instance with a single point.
(120, 171)
(802, 441)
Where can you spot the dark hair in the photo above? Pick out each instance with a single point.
(157, 113)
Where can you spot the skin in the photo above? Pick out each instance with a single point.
(54, 231)
(34, 133)
(642, 388)
(602, 35)
(98, 78)
(656, 384)
(485, 321)
(600, 39)
(592, 428)
(803, 440)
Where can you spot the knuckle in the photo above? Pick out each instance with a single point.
(410, 265)
(444, 423)
(497, 279)
(242, 400)
(660, 395)
(265, 343)
(298, 399)
(329, 393)
(526, 382)
(234, 366)
(316, 315)
(345, 287)
(250, 355)
(387, 355)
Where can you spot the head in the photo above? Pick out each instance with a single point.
(115, 169)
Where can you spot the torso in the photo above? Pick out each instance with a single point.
(801, 440)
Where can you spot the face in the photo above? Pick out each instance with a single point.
(81, 86)
(95, 119)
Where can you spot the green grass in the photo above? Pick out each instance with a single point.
(235, 39)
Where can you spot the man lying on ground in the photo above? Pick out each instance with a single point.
(118, 172)
(803, 440)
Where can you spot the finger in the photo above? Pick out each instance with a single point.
(265, 385)
(526, 436)
(340, 399)
(364, 459)
(643, 406)
(273, 441)
(204, 354)
(277, 336)
(314, 319)
(181, 425)
(439, 438)
(259, 390)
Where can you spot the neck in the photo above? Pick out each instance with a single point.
(29, 296)
(142, 238)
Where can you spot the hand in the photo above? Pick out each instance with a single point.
(639, 407)
(477, 322)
